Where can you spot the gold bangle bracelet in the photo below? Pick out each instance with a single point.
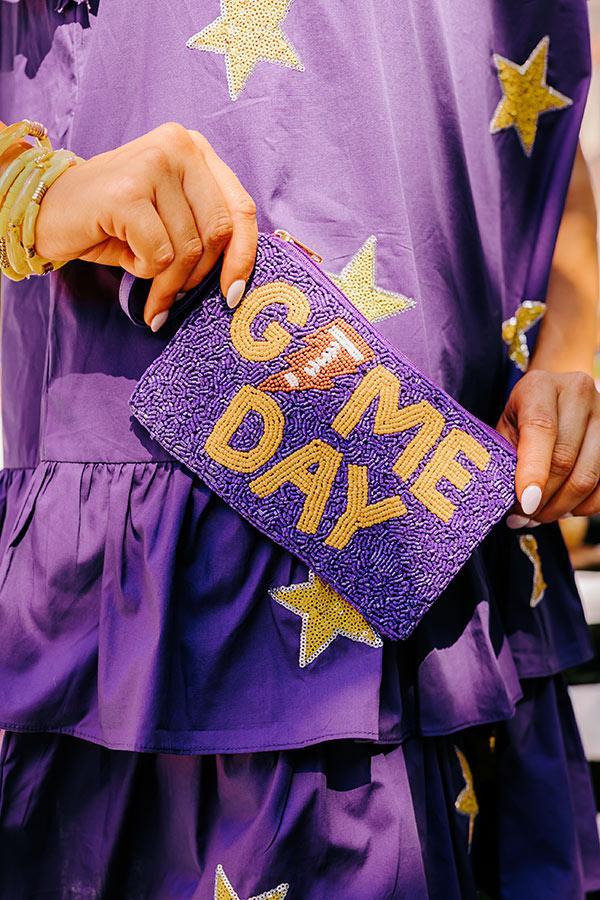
(26, 127)
(11, 260)
(22, 188)
(23, 214)
(15, 188)
(57, 166)
(16, 167)
(12, 234)
(5, 266)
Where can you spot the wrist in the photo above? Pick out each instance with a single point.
(26, 173)
(566, 345)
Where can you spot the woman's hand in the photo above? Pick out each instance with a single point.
(163, 206)
(554, 422)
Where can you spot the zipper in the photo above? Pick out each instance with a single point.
(290, 239)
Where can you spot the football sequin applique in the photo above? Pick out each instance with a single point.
(248, 32)
(526, 95)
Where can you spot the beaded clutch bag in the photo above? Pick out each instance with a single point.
(299, 415)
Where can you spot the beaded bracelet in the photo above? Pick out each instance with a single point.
(22, 189)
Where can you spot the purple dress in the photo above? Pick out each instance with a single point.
(174, 729)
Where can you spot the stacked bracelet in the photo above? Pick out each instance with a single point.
(22, 188)
(14, 133)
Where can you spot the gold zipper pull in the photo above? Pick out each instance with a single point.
(286, 236)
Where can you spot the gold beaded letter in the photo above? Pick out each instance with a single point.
(297, 469)
(359, 512)
(381, 385)
(247, 400)
(443, 464)
(275, 338)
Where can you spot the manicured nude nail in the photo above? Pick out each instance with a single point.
(180, 296)
(533, 523)
(159, 320)
(235, 293)
(530, 499)
(567, 516)
(517, 521)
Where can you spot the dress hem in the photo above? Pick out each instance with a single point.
(263, 746)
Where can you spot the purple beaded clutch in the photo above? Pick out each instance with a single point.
(300, 415)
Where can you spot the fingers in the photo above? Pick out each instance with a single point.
(554, 419)
(174, 210)
(240, 251)
(534, 406)
(180, 211)
(581, 482)
(576, 457)
(590, 506)
(151, 249)
(207, 214)
(211, 211)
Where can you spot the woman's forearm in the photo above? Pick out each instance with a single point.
(568, 336)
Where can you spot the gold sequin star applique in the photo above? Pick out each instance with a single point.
(224, 890)
(325, 615)
(513, 331)
(248, 32)
(526, 95)
(529, 546)
(466, 802)
(357, 281)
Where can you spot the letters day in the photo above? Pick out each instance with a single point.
(331, 352)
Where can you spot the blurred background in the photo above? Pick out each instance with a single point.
(582, 536)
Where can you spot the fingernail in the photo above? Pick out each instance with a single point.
(517, 521)
(159, 320)
(567, 516)
(533, 523)
(235, 293)
(530, 499)
(180, 296)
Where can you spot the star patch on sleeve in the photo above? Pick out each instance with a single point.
(357, 282)
(466, 802)
(325, 615)
(248, 32)
(225, 891)
(526, 95)
(514, 329)
(529, 545)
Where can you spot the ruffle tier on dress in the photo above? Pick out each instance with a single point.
(341, 819)
(136, 612)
